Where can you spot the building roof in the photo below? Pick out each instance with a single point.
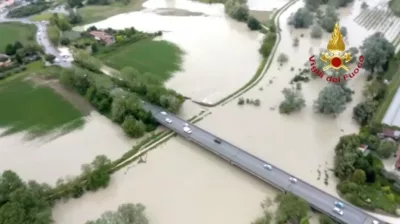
(392, 116)
(398, 158)
(107, 38)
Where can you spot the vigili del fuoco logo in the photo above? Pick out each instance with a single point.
(336, 58)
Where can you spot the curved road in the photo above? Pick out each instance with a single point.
(318, 199)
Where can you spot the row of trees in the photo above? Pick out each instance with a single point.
(80, 3)
(238, 10)
(28, 10)
(121, 98)
(377, 52)
(125, 214)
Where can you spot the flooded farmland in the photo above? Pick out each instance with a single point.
(180, 182)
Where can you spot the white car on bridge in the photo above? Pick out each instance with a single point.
(169, 121)
(187, 130)
(338, 210)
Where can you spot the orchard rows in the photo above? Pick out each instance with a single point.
(380, 18)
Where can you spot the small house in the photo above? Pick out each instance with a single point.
(102, 36)
(390, 133)
(364, 149)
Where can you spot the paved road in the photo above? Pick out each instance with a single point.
(317, 199)
(41, 37)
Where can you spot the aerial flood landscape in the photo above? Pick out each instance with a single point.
(213, 55)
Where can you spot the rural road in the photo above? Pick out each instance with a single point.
(318, 199)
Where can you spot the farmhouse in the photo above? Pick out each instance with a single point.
(102, 36)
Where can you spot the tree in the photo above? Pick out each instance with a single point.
(74, 17)
(291, 208)
(133, 127)
(386, 148)
(312, 5)
(50, 58)
(329, 19)
(253, 23)
(237, 10)
(75, 3)
(377, 51)
(126, 214)
(343, 31)
(94, 47)
(364, 111)
(10, 50)
(65, 41)
(359, 176)
(283, 58)
(302, 18)
(316, 31)
(331, 100)
(364, 5)
(293, 101)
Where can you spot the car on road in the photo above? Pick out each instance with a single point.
(267, 166)
(217, 140)
(338, 210)
(338, 204)
(293, 180)
(375, 222)
(169, 121)
(163, 113)
(187, 130)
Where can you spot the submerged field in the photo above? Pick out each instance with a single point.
(161, 58)
(37, 109)
(11, 32)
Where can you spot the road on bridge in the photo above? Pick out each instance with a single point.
(318, 199)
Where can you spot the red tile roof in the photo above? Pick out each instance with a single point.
(107, 38)
(388, 132)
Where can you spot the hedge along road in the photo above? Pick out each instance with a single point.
(263, 67)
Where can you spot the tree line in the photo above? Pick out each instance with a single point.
(28, 10)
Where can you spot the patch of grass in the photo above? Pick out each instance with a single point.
(45, 16)
(160, 58)
(32, 108)
(94, 13)
(54, 34)
(393, 75)
(11, 32)
(395, 6)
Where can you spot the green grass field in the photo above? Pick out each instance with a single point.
(95, 13)
(160, 58)
(11, 32)
(45, 16)
(38, 110)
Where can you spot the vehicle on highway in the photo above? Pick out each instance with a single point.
(217, 140)
(338, 210)
(187, 130)
(267, 166)
(375, 222)
(339, 204)
(163, 113)
(293, 180)
(168, 120)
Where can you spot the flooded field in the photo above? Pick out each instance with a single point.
(220, 53)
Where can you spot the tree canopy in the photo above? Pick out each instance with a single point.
(331, 100)
(293, 101)
(329, 19)
(125, 214)
(21, 202)
(302, 18)
(291, 208)
(316, 31)
(377, 51)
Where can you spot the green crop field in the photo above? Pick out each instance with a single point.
(160, 58)
(36, 109)
(11, 32)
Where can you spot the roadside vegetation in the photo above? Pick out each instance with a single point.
(12, 32)
(291, 209)
(30, 9)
